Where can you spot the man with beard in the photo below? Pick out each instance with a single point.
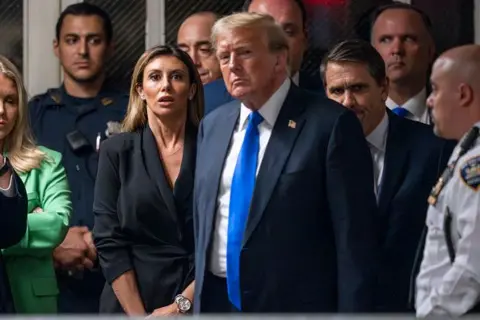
(73, 119)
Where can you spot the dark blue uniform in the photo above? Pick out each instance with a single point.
(73, 127)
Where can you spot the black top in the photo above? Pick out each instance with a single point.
(141, 224)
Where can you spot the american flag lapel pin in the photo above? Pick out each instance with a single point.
(292, 124)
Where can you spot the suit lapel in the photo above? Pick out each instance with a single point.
(155, 171)
(287, 127)
(395, 160)
(220, 136)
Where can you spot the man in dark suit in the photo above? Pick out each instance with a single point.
(407, 160)
(300, 235)
(13, 222)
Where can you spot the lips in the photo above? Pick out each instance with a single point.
(166, 99)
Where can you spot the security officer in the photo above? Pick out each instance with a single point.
(448, 283)
(73, 119)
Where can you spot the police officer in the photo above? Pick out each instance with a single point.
(448, 283)
(73, 119)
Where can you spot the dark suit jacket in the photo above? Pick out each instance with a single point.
(309, 244)
(140, 223)
(312, 83)
(414, 160)
(216, 93)
(13, 225)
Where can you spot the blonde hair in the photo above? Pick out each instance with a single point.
(23, 153)
(136, 116)
(277, 40)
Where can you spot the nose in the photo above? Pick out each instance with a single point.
(397, 47)
(83, 47)
(349, 100)
(195, 57)
(233, 63)
(2, 108)
(165, 84)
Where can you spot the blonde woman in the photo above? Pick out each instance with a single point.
(143, 194)
(29, 263)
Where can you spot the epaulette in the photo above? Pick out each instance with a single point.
(48, 98)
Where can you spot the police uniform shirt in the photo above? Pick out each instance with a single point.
(54, 115)
(443, 287)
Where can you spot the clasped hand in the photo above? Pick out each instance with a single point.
(77, 251)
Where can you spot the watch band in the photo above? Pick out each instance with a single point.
(4, 169)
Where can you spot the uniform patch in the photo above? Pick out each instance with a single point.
(470, 173)
(107, 101)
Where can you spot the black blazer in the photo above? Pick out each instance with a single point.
(414, 160)
(309, 244)
(13, 225)
(140, 224)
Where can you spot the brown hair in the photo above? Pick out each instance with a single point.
(137, 113)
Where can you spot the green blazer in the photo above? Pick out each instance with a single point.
(29, 263)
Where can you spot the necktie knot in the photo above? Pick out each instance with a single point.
(401, 112)
(255, 118)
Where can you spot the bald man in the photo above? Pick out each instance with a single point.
(291, 15)
(449, 279)
(193, 37)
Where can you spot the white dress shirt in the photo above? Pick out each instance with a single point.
(269, 111)
(377, 141)
(417, 106)
(296, 79)
(444, 288)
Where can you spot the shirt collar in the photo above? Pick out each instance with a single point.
(416, 104)
(270, 110)
(296, 78)
(378, 137)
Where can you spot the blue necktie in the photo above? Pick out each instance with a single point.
(243, 183)
(401, 112)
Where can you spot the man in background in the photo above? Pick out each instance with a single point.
(401, 33)
(73, 119)
(194, 38)
(407, 159)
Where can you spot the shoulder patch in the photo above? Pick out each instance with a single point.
(470, 173)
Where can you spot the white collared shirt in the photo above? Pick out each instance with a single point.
(377, 141)
(417, 106)
(296, 79)
(444, 288)
(269, 111)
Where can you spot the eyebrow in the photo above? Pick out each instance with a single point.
(168, 71)
(349, 86)
(91, 34)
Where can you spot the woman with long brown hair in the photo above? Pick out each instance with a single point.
(143, 195)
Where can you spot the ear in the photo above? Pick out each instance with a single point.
(466, 94)
(55, 47)
(193, 90)
(140, 92)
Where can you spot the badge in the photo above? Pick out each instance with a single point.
(106, 101)
(470, 173)
(56, 97)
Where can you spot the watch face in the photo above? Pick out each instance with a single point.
(184, 304)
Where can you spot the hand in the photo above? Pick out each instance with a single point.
(92, 251)
(71, 254)
(170, 310)
(37, 210)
